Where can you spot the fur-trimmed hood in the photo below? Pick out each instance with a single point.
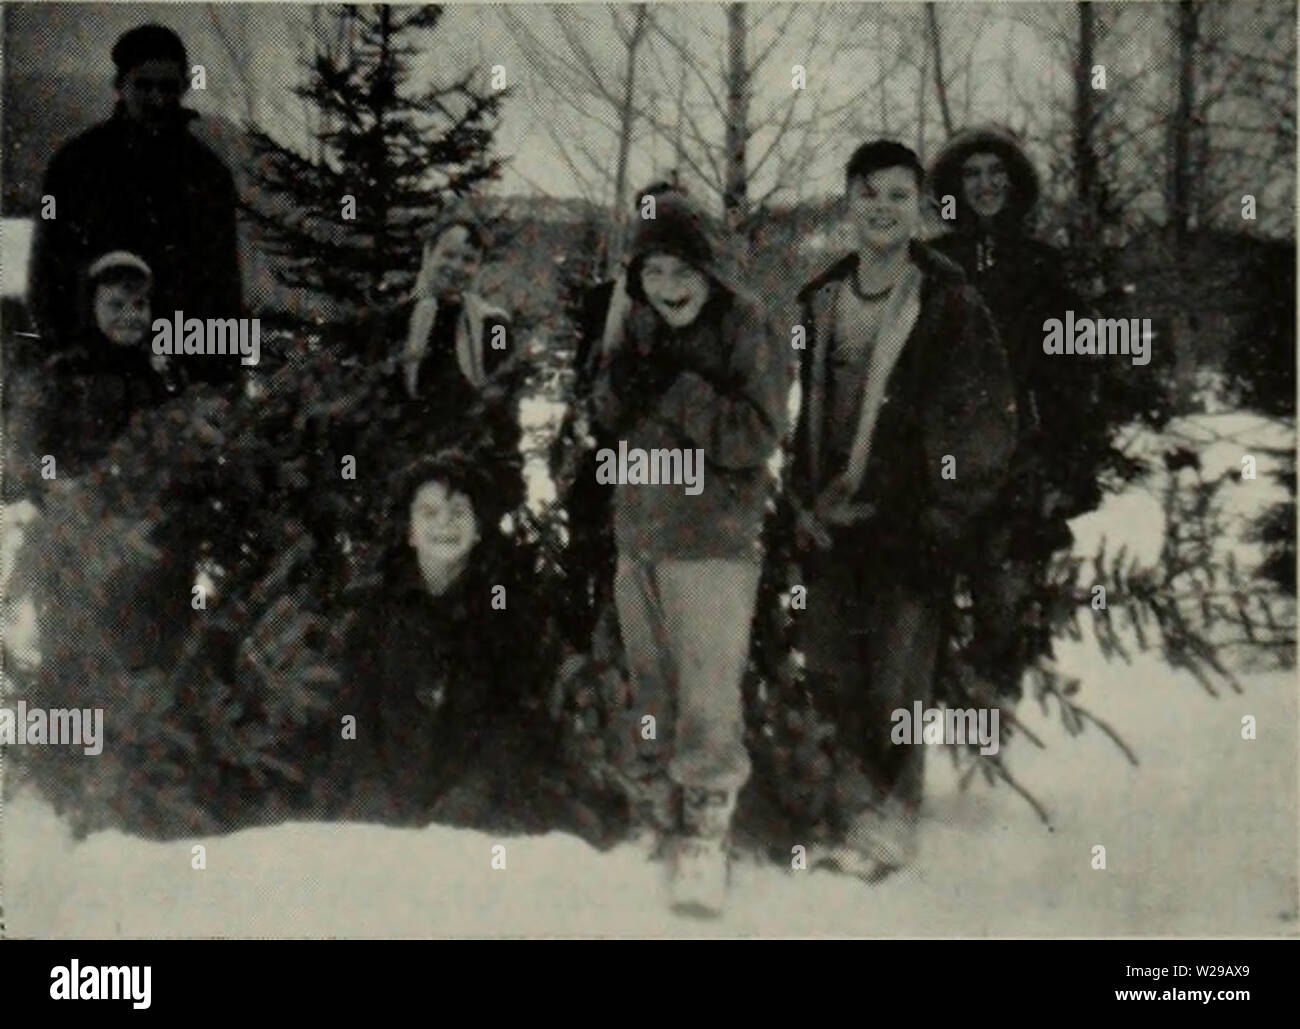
(945, 174)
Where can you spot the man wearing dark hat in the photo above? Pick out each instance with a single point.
(986, 188)
(140, 182)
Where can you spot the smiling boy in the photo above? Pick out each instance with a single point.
(906, 427)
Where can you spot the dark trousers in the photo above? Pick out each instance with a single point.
(590, 556)
(871, 642)
(1006, 569)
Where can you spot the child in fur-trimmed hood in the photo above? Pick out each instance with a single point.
(985, 174)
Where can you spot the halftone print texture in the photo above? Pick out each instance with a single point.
(648, 470)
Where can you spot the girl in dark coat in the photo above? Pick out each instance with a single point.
(990, 185)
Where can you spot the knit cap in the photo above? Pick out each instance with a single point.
(681, 229)
(148, 43)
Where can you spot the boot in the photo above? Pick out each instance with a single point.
(700, 871)
(652, 800)
(878, 842)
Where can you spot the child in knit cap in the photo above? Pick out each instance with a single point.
(696, 371)
(91, 390)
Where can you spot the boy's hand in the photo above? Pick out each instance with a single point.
(639, 379)
(810, 533)
(834, 506)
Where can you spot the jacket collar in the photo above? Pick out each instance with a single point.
(122, 122)
(933, 265)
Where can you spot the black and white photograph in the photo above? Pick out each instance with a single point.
(671, 470)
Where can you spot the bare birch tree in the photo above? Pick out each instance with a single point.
(568, 70)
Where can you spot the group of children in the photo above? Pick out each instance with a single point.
(920, 437)
(923, 449)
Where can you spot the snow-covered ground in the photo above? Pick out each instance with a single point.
(1200, 839)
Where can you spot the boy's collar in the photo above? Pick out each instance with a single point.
(930, 261)
(184, 116)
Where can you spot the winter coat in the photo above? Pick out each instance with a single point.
(433, 681)
(167, 198)
(948, 395)
(718, 385)
(89, 394)
(1023, 282)
(458, 374)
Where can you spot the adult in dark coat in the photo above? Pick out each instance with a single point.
(140, 182)
(905, 433)
(987, 181)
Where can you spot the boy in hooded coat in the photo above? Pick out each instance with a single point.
(985, 177)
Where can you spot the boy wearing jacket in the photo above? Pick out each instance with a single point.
(92, 389)
(698, 371)
(906, 428)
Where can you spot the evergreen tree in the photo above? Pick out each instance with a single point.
(347, 222)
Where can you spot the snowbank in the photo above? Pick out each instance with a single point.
(1200, 839)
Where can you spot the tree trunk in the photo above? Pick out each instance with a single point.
(921, 111)
(1085, 158)
(678, 144)
(1180, 200)
(626, 116)
(735, 197)
(940, 90)
(884, 99)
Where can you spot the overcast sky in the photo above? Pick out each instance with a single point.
(266, 39)
(1001, 60)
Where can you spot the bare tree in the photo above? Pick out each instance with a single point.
(1088, 216)
(750, 130)
(1180, 198)
(735, 193)
(940, 86)
(567, 67)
